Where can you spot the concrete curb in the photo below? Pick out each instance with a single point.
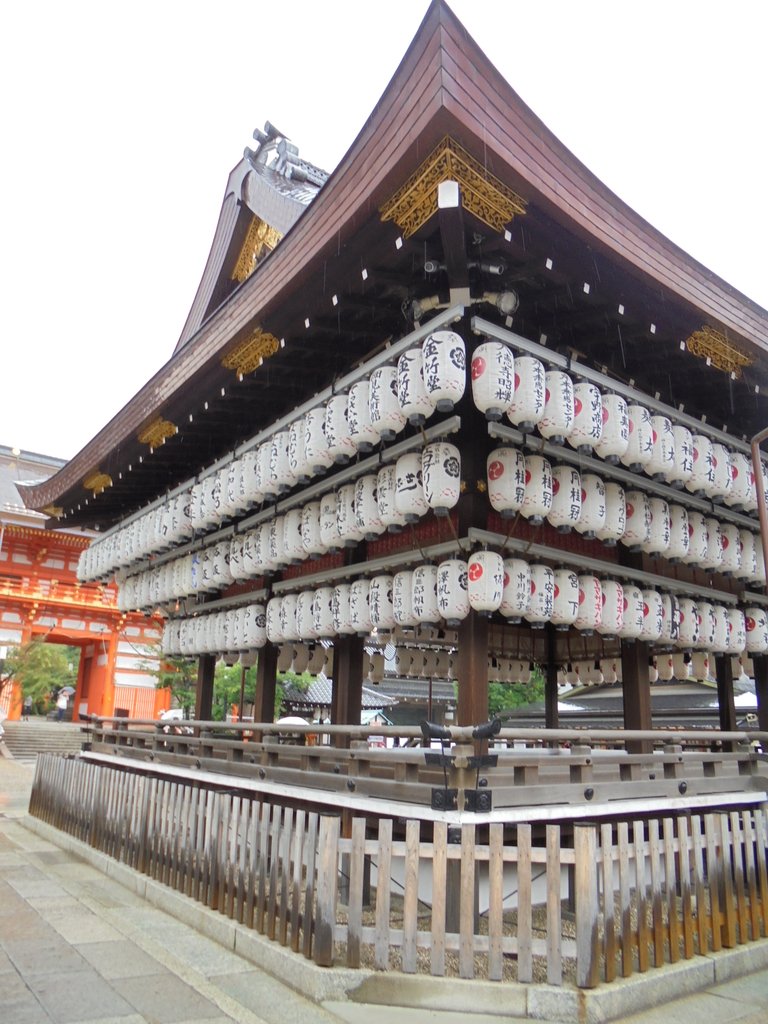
(537, 1002)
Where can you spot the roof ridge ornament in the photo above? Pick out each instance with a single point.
(483, 194)
(712, 345)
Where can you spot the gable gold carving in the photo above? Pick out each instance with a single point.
(157, 432)
(260, 239)
(713, 345)
(97, 482)
(54, 511)
(482, 193)
(249, 354)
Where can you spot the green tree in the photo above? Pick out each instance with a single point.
(226, 688)
(179, 675)
(41, 669)
(503, 696)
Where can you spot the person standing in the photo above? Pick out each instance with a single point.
(61, 706)
(27, 709)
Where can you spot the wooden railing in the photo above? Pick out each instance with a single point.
(526, 768)
(576, 904)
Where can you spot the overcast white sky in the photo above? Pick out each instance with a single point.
(121, 122)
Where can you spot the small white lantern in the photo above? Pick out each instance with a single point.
(566, 498)
(424, 594)
(297, 459)
(682, 665)
(557, 422)
(284, 657)
(702, 473)
(612, 615)
(688, 628)
(542, 595)
(329, 530)
(360, 607)
(361, 430)
(640, 448)
(452, 593)
(288, 625)
(592, 518)
(587, 426)
(661, 527)
(485, 576)
(300, 658)
(714, 558)
(341, 447)
(701, 665)
(756, 623)
(280, 464)
(384, 412)
(341, 611)
(367, 517)
(721, 478)
(350, 534)
(403, 660)
(565, 599)
(293, 540)
(737, 631)
(322, 612)
(670, 619)
(653, 616)
(274, 631)
(706, 611)
(267, 480)
(516, 595)
(493, 379)
(748, 544)
(228, 490)
(615, 514)
(614, 437)
(236, 566)
(638, 529)
(742, 494)
(386, 491)
(277, 555)
(698, 539)
(441, 476)
(632, 626)
(722, 629)
(402, 598)
(250, 492)
(679, 534)
(538, 489)
(380, 598)
(310, 530)
(445, 376)
(305, 620)
(416, 405)
(665, 666)
(590, 604)
(317, 458)
(410, 501)
(530, 393)
(506, 480)
(663, 455)
(682, 464)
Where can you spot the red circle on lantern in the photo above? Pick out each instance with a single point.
(533, 587)
(631, 425)
(478, 367)
(557, 591)
(655, 436)
(517, 381)
(496, 469)
(695, 453)
(734, 471)
(546, 395)
(630, 510)
(750, 623)
(625, 603)
(577, 406)
(726, 542)
(605, 415)
(555, 485)
(582, 595)
(646, 609)
(475, 571)
(506, 579)
(527, 477)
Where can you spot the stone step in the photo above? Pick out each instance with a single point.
(27, 739)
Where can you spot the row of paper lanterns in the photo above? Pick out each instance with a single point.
(662, 667)
(427, 378)
(606, 425)
(570, 500)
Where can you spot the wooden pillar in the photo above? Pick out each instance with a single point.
(347, 696)
(636, 690)
(551, 714)
(725, 701)
(206, 665)
(472, 670)
(266, 684)
(761, 690)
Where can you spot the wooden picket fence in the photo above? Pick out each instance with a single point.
(638, 893)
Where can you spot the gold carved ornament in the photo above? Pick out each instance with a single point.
(250, 353)
(482, 193)
(710, 344)
(97, 482)
(157, 432)
(260, 239)
(54, 511)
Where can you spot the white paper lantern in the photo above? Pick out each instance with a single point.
(615, 514)
(277, 555)
(634, 605)
(756, 624)
(410, 501)
(297, 452)
(445, 376)
(721, 478)
(384, 412)
(293, 540)
(530, 393)
(737, 630)
(592, 518)
(360, 607)
(441, 476)
(322, 612)
(329, 530)
(361, 430)
(267, 479)
(416, 405)
(698, 539)
(402, 598)
(367, 517)
(748, 566)
(542, 595)
(538, 489)
(211, 502)
(280, 464)
(305, 620)
(759, 576)
(590, 604)
(485, 576)
(493, 379)
(681, 663)
(614, 437)
(557, 422)
(236, 566)
(284, 657)
(701, 665)
(506, 480)
(380, 599)
(679, 534)
(250, 493)
(638, 528)
(665, 666)
(424, 594)
(653, 616)
(452, 593)
(310, 530)
(688, 628)
(403, 660)
(273, 625)
(714, 557)
(662, 459)
(670, 619)
(661, 527)
(288, 623)
(566, 498)
(386, 492)
(611, 670)
(221, 577)
(722, 629)
(682, 463)
(702, 473)
(341, 447)
(516, 595)
(742, 494)
(341, 611)
(587, 428)
(565, 599)
(350, 534)
(640, 447)
(317, 458)
(612, 615)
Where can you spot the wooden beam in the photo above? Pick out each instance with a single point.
(206, 665)
(636, 690)
(761, 690)
(551, 714)
(266, 684)
(725, 702)
(347, 696)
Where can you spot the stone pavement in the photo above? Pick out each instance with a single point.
(77, 946)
